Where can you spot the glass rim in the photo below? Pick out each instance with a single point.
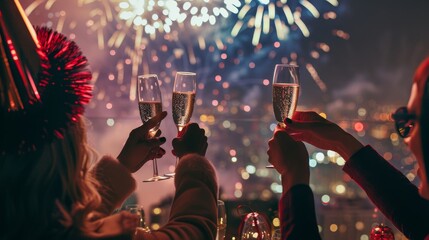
(402, 118)
(151, 75)
(187, 73)
(287, 65)
(135, 205)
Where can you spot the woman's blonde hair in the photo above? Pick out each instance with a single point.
(33, 183)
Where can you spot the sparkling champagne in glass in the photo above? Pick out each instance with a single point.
(184, 90)
(285, 92)
(221, 220)
(150, 104)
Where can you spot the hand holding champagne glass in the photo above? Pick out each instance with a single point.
(184, 90)
(139, 211)
(150, 104)
(285, 92)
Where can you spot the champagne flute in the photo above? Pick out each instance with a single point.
(184, 90)
(277, 234)
(138, 210)
(255, 226)
(221, 220)
(150, 104)
(285, 92)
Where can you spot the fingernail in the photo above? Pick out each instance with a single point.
(288, 120)
(162, 139)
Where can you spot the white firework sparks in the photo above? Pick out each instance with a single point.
(281, 15)
(200, 12)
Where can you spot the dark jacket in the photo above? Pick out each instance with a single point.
(388, 189)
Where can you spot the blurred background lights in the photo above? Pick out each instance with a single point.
(362, 112)
(276, 222)
(157, 211)
(333, 227)
(245, 175)
(238, 193)
(358, 126)
(341, 161)
(226, 124)
(263, 172)
(155, 226)
(325, 199)
(312, 163)
(250, 169)
(319, 156)
(359, 225)
(340, 189)
(364, 237)
(110, 122)
(331, 153)
(232, 152)
(277, 188)
(322, 114)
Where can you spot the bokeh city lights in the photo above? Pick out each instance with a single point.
(348, 54)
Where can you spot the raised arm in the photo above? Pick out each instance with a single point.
(194, 210)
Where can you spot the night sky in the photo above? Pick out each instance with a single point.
(372, 69)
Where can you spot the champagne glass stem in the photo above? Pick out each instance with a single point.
(179, 128)
(155, 167)
(172, 174)
(177, 161)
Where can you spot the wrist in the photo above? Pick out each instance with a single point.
(349, 146)
(289, 180)
(121, 160)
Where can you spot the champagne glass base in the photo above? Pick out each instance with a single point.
(156, 179)
(170, 174)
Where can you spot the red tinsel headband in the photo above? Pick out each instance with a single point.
(64, 88)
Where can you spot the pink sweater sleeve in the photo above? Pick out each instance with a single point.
(115, 183)
(194, 210)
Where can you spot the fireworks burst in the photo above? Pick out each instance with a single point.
(150, 15)
(285, 31)
(137, 28)
(207, 11)
(160, 36)
(265, 16)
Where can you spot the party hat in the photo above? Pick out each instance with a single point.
(20, 58)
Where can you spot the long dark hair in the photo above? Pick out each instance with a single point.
(424, 121)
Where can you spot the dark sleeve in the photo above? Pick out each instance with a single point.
(193, 213)
(297, 214)
(390, 191)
